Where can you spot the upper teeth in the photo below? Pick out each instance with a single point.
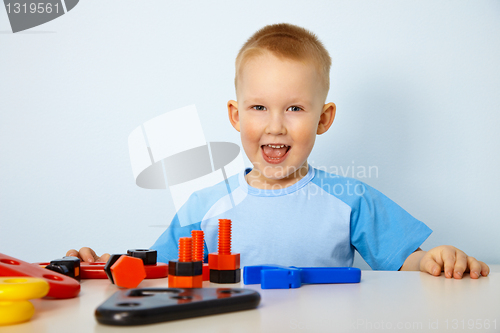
(278, 146)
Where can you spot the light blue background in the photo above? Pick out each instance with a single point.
(416, 85)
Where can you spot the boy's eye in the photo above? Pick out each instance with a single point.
(294, 108)
(259, 107)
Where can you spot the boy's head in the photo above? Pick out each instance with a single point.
(287, 41)
(282, 79)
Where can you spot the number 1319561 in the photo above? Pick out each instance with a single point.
(32, 8)
(471, 324)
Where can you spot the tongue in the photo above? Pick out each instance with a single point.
(274, 152)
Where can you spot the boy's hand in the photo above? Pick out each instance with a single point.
(86, 254)
(453, 262)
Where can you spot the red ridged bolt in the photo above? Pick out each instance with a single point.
(185, 249)
(198, 237)
(224, 236)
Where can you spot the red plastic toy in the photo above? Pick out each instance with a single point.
(206, 272)
(224, 265)
(185, 281)
(198, 245)
(95, 270)
(92, 270)
(61, 286)
(128, 272)
(187, 273)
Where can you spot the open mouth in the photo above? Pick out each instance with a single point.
(275, 153)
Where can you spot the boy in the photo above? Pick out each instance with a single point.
(283, 210)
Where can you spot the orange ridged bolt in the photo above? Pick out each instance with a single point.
(185, 249)
(224, 236)
(198, 237)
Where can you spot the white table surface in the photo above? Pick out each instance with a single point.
(383, 301)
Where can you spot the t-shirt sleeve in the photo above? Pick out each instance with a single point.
(382, 232)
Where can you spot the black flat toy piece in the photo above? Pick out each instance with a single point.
(155, 305)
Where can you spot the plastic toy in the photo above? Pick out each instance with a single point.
(282, 277)
(206, 272)
(125, 271)
(95, 270)
(198, 244)
(186, 273)
(145, 260)
(148, 256)
(14, 312)
(224, 265)
(61, 286)
(152, 305)
(185, 281)
(111, 261)
(22, 288)
(92, 270)
(14, 295)
(88, 270)
(69, 266)
(128, 272)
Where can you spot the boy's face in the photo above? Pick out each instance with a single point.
(279, 111)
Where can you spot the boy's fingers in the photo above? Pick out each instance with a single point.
(427, 264)
(88, 255)
(485, 270)
(449, 258)
(104, 257)
(73, 253)
(460, 264)
(474, 267)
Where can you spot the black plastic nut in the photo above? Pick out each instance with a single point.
(223, 276)
(69, 266)
(61, 269)
(111, 261)
(148, 256)
(185, 268)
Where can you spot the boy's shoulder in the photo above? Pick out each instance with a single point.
(217, 191)
(349, 190)
(322, 177)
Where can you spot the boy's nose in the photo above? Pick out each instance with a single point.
(275, 124)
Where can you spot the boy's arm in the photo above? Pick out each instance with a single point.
(449, 259)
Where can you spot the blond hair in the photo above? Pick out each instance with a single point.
(287, 41)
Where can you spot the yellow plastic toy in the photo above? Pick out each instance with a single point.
(22, 288)
(14, 295)
(14, 312)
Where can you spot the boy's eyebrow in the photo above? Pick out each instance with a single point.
(291, 101)
(256, 100)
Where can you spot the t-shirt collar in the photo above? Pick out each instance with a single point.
(276, 192)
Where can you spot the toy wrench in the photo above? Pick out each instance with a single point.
(282, 277)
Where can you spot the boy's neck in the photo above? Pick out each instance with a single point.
(257, 179)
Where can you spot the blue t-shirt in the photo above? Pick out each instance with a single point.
(317, 222)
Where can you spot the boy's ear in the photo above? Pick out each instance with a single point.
(234, 116)
(326, 118)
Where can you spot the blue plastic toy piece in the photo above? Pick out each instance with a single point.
(282, 277)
